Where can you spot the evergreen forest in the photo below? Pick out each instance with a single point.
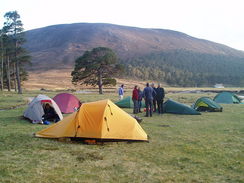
(187, 68)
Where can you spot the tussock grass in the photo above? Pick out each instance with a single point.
(182, 148)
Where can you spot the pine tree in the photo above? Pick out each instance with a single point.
(96, 67)
(13, 28)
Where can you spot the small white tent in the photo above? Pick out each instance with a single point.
(35, 109)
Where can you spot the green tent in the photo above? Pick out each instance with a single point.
(171, 106)
(207, 104)
(227, 98)
(127, 102)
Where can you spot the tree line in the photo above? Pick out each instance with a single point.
(12, 54)
(187, 68)
(177, 68)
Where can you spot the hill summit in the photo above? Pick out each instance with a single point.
(60, 45)
(57, 47)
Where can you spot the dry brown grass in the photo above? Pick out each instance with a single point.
(61, 79)
(52, 79)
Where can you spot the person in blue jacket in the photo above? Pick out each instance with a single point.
(148, 93)
(121, 92)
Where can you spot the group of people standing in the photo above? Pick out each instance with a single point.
(154, 98)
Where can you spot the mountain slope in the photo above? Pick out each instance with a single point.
(60, 45)
(156, 54)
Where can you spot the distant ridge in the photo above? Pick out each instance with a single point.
(161, 55)
(59, 45)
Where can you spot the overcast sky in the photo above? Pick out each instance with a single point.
(220, 21)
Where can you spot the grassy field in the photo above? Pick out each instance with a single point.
(182, 148)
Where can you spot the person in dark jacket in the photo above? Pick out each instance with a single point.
(140, 96)
(148, 93)
(49, 113)
(160, 98)
(135, 97)
(154, 98)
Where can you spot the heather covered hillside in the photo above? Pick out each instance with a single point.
(157, 54)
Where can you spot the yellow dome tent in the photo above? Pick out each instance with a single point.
(97, 120)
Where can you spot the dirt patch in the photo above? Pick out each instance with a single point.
(164, 125)
(84, 156)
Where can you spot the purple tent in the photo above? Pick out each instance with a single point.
(67, 103)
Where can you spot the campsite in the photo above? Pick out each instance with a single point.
(121, 91)
(181, 148)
